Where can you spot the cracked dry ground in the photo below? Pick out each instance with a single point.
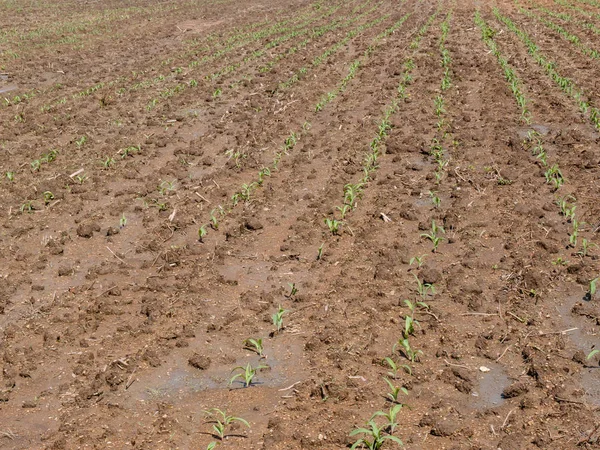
(167, 169)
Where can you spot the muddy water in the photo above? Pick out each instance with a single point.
(583, 336)
(488, 394)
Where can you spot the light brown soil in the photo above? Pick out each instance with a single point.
(120, 328)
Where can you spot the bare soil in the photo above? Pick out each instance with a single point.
(127, 124)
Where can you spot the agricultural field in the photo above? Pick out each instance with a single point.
(299, 225)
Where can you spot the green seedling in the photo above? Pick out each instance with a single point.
(560, 262)
(265, 172)
(417, 259)
(247, 373)
(10, 176)
(390, 416)
(255, 345)
(293, 290)
(566, 209)
(394, 391)
(212, 445)
(554, 176)
(214, 222)
(344, 209)
(592, 287)
(81, 178)
(81, 141)
(48, 196)
(592, 354)
(278, 318)
(166, 186)
(217, 93)
(585, 247)
(27, 206)
(433, 235)
(123, 221)
(108, 162)
(424, 288)
(435, 199)
(202, 233)
(35, 165)
(409, 352)
(374, 437)
(320, 252)
(221, 421)
(575, 233)
(333, 225)
(395, 368)
(129, 151)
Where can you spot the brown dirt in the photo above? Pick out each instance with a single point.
(119, 327)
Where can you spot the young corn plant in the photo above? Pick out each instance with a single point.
(418, 260)
(333, 225)
(585, 247)
(278, 318)
(592, 289)
(433, 236)
(395, 391)
(202, 233)
(221, 421)
(374, 437)
(423, 289)
(395, 368)
(410, 353)
(255, 345)
(247, 374)
(390, 416)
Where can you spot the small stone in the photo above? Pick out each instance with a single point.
(484, 369)
(29, 404)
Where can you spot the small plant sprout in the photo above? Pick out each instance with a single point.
(278, 318)
(433, 235)
(202, 233)
(166, 187)
(293, 290)
(395, 368)
(265, 172)
(390, 416)
(344, 209)
(255, 345)
(123, 221)
(320, 252)
(10, 176)
(585, 247)
(27, 206)
(409, 352)
(394, 391)
(374, 437)
(424, 288)
(591, 354)
(560, 262)
(418, 260)
(592, 288)
(221, 421)
(35, 165)
(108, 162)
(214, 222)
(217, 93)
(129, 151)
(435, 199)
(333, 225)
(247, 374)
(80, 142)
(81, 178)
(573, 237)
(48, 196)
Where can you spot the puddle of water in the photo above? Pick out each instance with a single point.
(541, 129)
(9, 88)
(177, 379)
(491, 385)
(583, 338)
